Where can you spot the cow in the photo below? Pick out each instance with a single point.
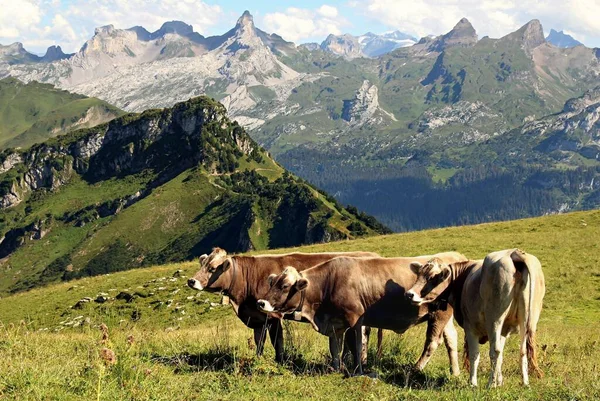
(244, 280)
(492, 298)
(344, 294)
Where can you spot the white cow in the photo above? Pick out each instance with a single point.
(492, 298)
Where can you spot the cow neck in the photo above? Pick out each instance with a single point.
(313, 295)
(458, 274)
(236, 296)
(302, 298)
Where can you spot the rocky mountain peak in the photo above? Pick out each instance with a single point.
(345, 45)
(463, 33)
(561, 39)
(531, 35)
(104, 30)
(54, 53)
(178, 27)
(245, 21)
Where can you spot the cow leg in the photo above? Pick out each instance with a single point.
(357, 348)
(379, 343)
(496, 347)
(451, 341)
(473, 346)
(432, 341)
(260, 335)
(350, 339)
(276, 335)
(335, 344)
(366, 333)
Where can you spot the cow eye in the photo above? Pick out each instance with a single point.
(286, 286)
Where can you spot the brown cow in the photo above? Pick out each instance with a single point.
(492, 298)
(244, 280)
(347, 293)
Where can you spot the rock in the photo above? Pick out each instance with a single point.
(364, 109)
(127, 297)
(178, 273)
(101, 299)
(82, 302)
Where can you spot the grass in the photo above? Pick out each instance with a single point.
(173, 343)
(32, 113)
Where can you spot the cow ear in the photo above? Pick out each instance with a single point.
(445, 273)
(226, 265)
(301, 284)
(272, 279)
(202, 258)
(415, 267)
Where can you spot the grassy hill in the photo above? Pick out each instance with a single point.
(152, 188)
(32, 113)
(173, 343)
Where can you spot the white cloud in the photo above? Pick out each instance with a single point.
(150, 14)
(300, 24)
(17, 17)
(328, 11)
(494, 18)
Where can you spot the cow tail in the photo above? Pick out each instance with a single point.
(529, 275)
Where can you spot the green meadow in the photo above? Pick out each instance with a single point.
(143, 335)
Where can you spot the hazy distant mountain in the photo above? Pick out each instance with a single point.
(561, 39)
(374, 45)
(367, 45)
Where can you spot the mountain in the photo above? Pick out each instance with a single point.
(367, 45)
(373, 45)
(364, 129)
(561, 39)
(34, 112)
(345, 45)
(16, 54)
(163, 185)
(463, 35)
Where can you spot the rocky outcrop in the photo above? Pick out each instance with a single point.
(364, 107)
(167, 141)
(576, 129)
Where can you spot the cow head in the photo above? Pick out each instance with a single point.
(432, 281)
(284, 296)
(212, 274)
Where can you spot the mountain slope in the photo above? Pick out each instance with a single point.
(164, 185)
(34, 112)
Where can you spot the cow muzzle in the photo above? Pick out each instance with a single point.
(413, 297)
(195, 284)
(264, 306)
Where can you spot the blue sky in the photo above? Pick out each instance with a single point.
(69, 23)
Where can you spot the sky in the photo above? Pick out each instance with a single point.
(69, 23)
